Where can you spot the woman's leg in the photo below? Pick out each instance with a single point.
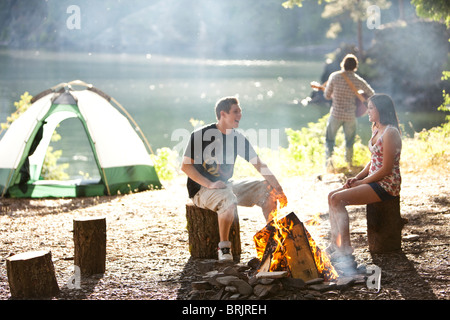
(339, 220)
(334, 232)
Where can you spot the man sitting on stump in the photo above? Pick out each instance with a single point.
(209, 161)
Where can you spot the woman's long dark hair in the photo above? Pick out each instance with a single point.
(386, 109)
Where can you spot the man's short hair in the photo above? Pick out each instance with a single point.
(349, 63)
(225, 104)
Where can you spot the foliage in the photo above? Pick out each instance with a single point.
(438, 10)
(428, 150)
(166, 163)
(341, 10)
(21, 106)
(50, 169)
(307, 149)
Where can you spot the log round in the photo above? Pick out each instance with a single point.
(32, 275)
(384, 226)
(89, 235)
(203, 230)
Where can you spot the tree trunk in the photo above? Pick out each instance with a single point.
(32, 275)
(89, 235)
(384, 226)
(203, 230)
(360, 41)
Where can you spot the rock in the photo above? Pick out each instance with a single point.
(314, 281)
(212, 278)
(226, 280)
(254, 263)
(326, 286)
(266, 281)
(263, 291)
(230, 271)
(231, 289)
(243, 287)
(344, 282)
(218, 295)
(411, 237)
(293, 283)
(253, 281)
(242, 268)
(272, 275)
(206, 265)
(235, 296)
(360, 279)
(201, 285)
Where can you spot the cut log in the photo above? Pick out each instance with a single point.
(32, 275)
(203, 231)
(89, 235)
(384, 226)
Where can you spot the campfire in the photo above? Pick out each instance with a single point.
(284, 244)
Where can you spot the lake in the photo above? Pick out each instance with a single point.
(163, 93)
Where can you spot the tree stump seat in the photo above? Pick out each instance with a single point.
(31, 275)
(89, 235)
(384, 226)
(203, 230)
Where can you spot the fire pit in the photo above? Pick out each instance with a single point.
(284, 244)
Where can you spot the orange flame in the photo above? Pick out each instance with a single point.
(279, 256)
(322, 260)
(314, 221)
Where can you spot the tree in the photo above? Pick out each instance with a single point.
(437, 10)
(356, 9)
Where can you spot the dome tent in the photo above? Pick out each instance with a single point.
(121, 155)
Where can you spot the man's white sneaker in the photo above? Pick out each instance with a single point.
(225, 254)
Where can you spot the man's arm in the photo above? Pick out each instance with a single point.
(364, 86)
(188, 167)
(328, 92)
(264, 170)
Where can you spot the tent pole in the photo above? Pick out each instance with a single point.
(106, 182)
(7, 183)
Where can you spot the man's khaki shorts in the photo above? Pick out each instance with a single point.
(245, 193)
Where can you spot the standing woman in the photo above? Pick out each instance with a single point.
(379, 180)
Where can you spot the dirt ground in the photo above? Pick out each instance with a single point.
(147, 240)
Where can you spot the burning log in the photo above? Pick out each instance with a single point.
(285, 244)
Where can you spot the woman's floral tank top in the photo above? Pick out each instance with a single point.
(390, 183)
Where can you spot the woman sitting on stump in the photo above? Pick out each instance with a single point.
(380, 179)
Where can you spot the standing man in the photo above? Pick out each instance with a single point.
(209, 163)
(343, 106)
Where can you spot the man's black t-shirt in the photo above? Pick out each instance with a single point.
(215, 153)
